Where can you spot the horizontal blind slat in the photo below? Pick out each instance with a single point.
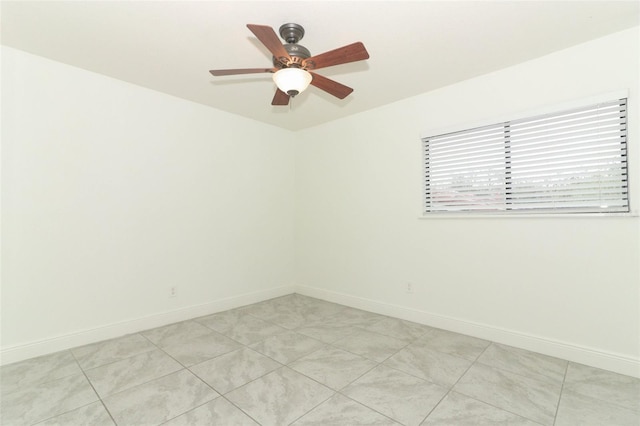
(572, 161)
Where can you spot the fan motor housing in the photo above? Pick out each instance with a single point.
(292, 34)
(297, 53)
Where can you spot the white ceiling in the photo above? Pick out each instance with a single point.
(415, 46)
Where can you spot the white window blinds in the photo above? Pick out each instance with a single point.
(569, 162)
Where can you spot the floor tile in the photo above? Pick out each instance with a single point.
(326, 331)
(222, 321)
(342, 411)
(20, 375)
(45, 400)
(400, 329)
(288, 315)
(176, 334)
(280, 397)
(234, 369)
(287, 347)
(295, 300)
(217, 412)
(371, 345)
(304, 360)
(333, 367)
(400, 396)
(604, 385)
(576, 409)
(534, 399)
(157, 401)
(289, 320)
(201, 348)
(310, 306)
(93, 414)
(316, 308)
(459, 410)
(524, 362)
(108, 351)
(262, 310)
(358, 317)
(293, 311)
(245, 329)
(454, 343)
(124, 374)
(421, 361)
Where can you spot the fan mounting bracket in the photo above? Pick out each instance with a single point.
(291, 33)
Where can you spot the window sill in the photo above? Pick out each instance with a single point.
(512, 215)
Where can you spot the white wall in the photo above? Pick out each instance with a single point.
(112, 194)
(568, 286)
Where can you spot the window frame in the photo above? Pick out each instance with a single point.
(558, 108)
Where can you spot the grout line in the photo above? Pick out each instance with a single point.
(119, 359)
(280, 304)
(190, 410)
(42, 380)
(107, 410)
(315, 406)
(94, 390)
(456, 382)
(436, 406)
(370, 408)
(478, 362)
(244, 412)
(564, 378)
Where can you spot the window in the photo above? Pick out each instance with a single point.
(569, 162)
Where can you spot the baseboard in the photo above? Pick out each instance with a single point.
(584, 355)
(109, 331)
(589, 356)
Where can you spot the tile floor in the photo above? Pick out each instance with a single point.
(303, 361)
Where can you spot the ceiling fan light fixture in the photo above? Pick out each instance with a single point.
(291, 62)
(292, 81)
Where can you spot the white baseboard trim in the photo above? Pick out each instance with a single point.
(110, 331)
(584, 355)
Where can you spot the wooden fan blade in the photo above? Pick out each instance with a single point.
(332, 87)
(280, 98)
(241, 71)
(270, 39)
(342, 55)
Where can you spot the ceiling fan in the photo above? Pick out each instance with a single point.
(293, 63)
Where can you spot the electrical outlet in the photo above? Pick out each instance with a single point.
(172, 292)
(409, 288)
